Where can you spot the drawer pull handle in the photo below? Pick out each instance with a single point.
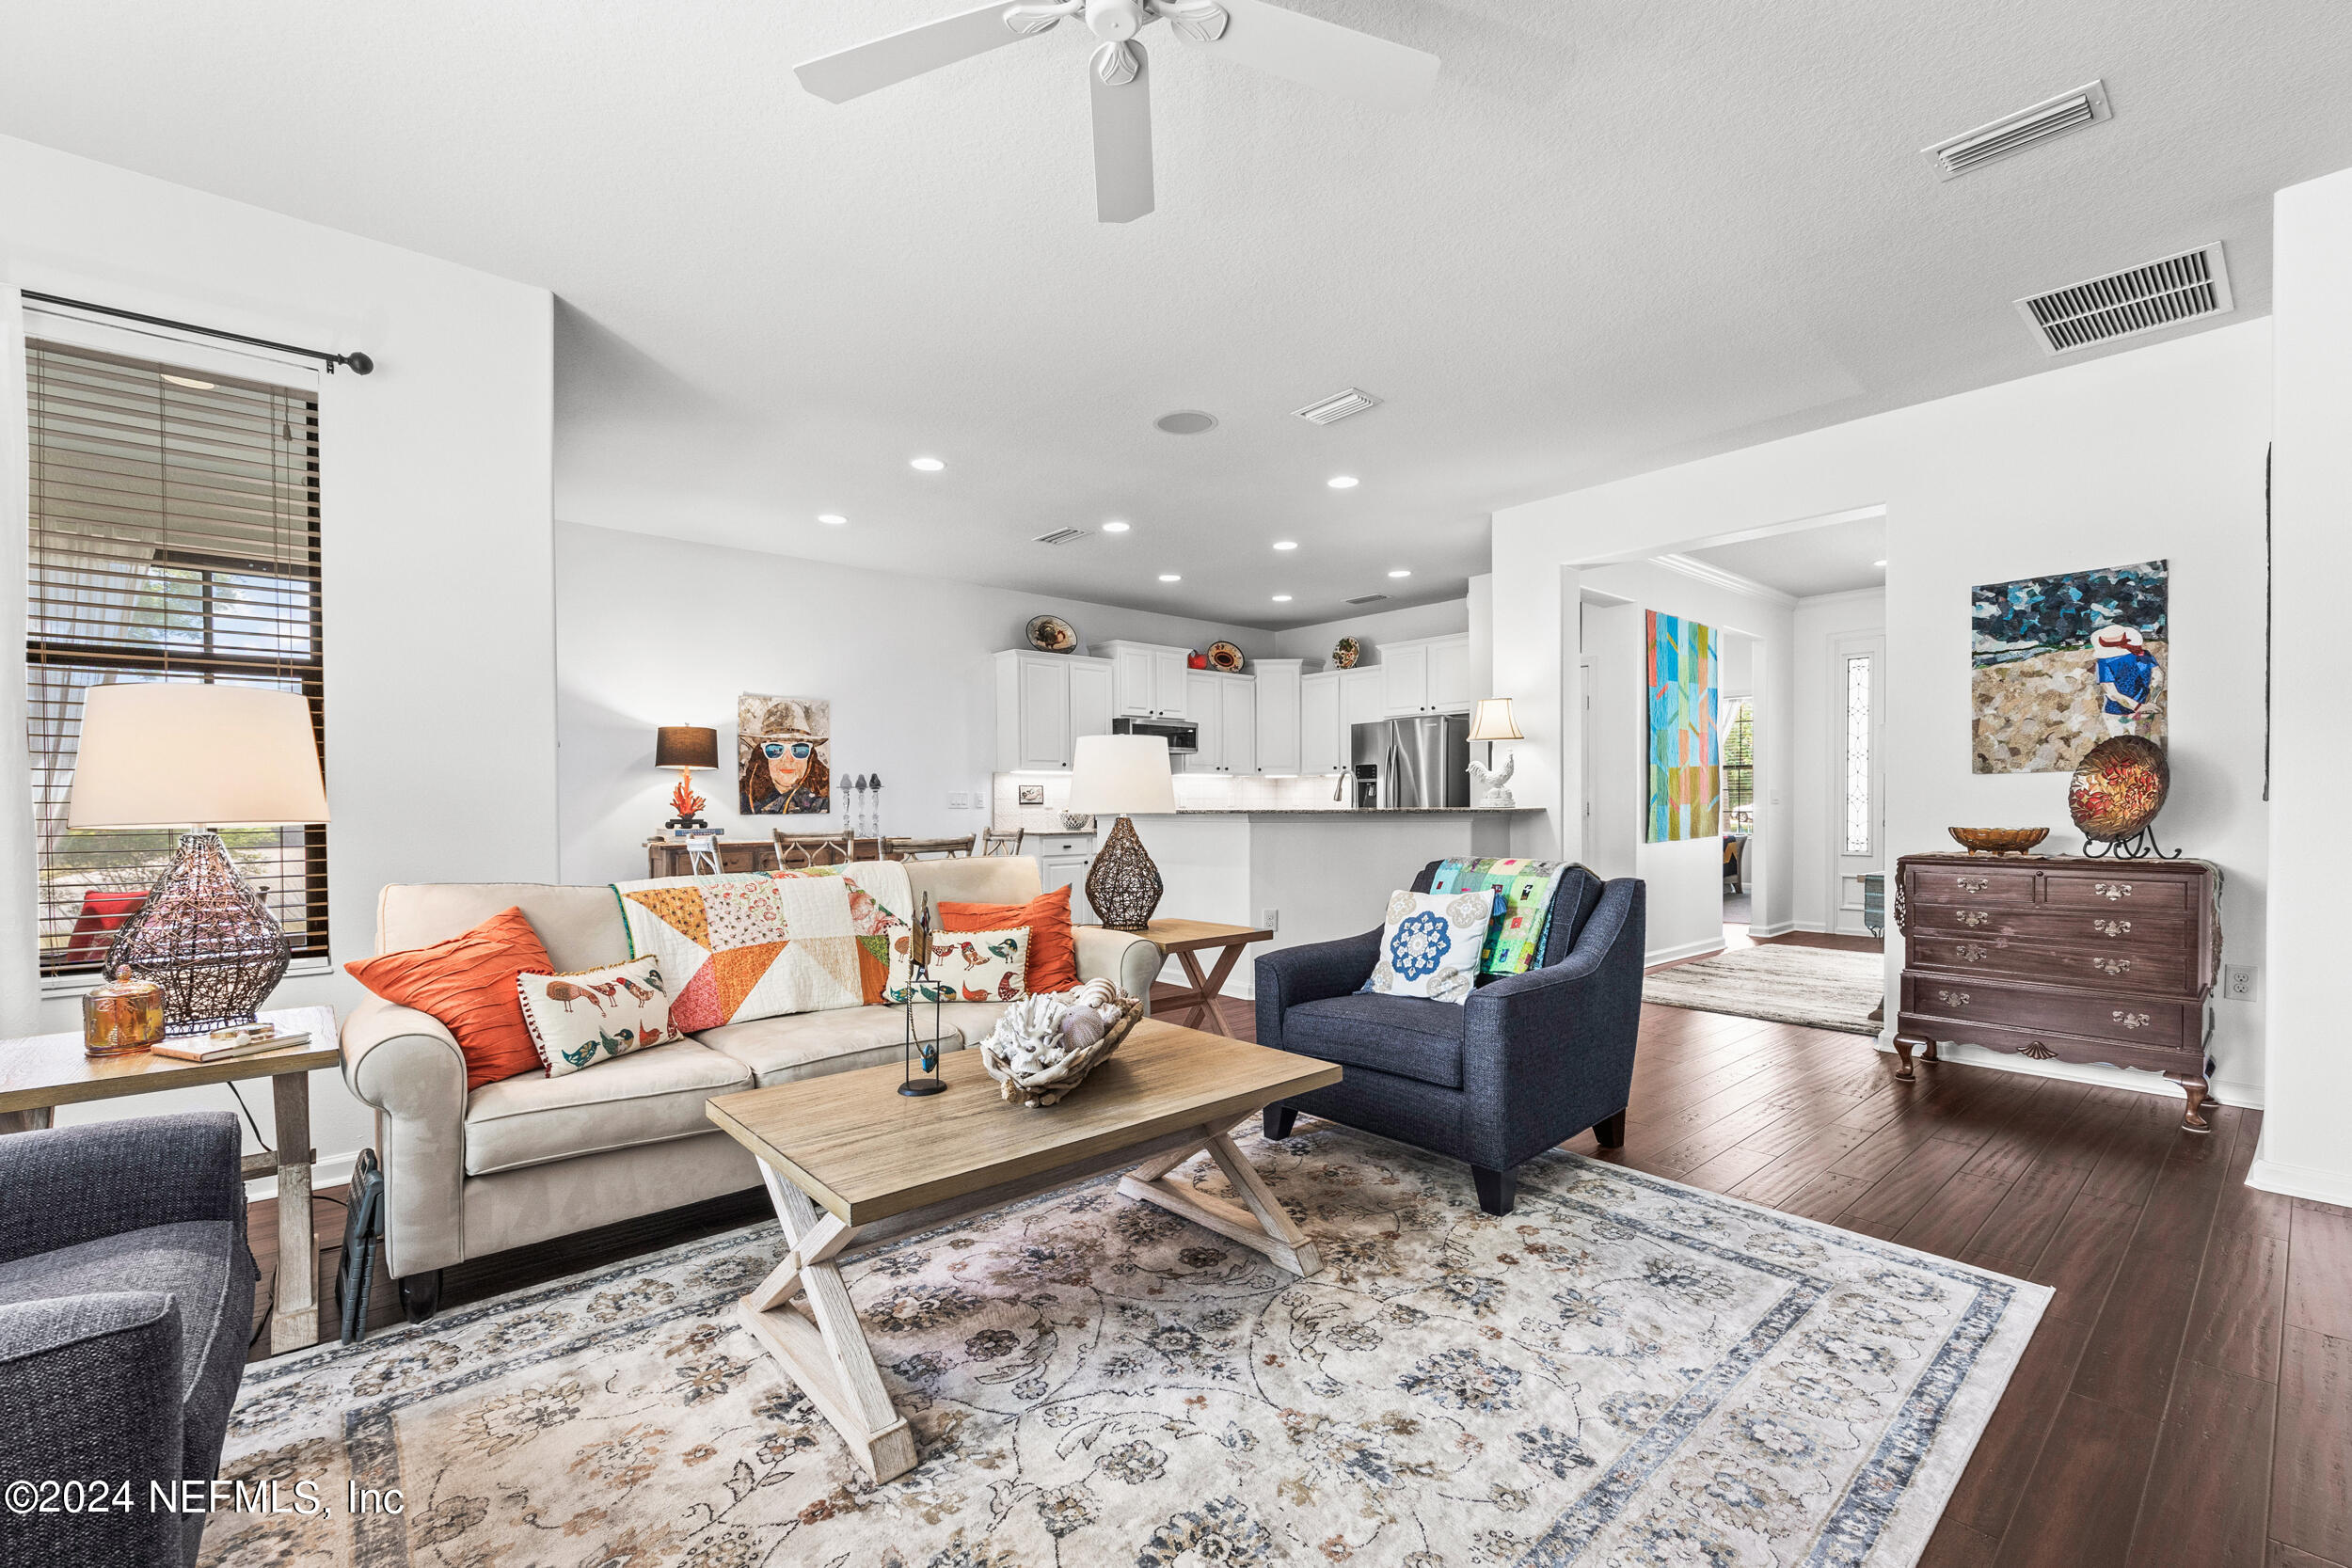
(1972, 884)
(1972, 918)
(2131, 1020)
(2111, 927)
(2112, 966)
(2112, 890)
(1959, 999)
(1971, 952)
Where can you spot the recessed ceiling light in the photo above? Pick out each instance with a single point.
(1281, 598)
(1171, 576)
(1185, 421)
(1877, 562)
(1114, 526)
(1286, 544)
(1401, 572)
(188, 381)
(1342, 482)
(835, 518)
(926, 464)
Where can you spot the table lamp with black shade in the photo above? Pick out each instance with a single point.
(1118, 775)
(685, 747)
(199, 758)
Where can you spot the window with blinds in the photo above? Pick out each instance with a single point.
(175, 537)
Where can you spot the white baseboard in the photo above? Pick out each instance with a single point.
(330, 1170)
(1657, 956)
(2304, 1181)
(2249, 1096)
(1780, 930)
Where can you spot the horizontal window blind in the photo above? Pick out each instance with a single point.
(175, 536)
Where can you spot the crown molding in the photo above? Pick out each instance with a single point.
(1716, 576)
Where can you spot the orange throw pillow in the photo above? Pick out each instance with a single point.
(467, 982)
(1053, 950)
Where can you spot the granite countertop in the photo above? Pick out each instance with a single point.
(1351, 811)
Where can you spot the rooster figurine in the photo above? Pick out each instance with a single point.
(1489, 783)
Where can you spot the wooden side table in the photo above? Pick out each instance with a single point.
(39, 1073)
(1185, 937)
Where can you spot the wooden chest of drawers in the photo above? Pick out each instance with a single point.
(2081, 960)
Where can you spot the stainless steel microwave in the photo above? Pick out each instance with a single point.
(1180, 735)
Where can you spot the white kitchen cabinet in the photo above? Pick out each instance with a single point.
(1237, 723)
(1062, 859)
(1321, 737)
(1426, 675)
(1148, 680)
(1278, 684)
(1363, 699)
(1200, 698)
(1044, 701)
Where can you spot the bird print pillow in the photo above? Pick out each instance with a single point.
(593, 1015)
(1430, 944)
(974, 966)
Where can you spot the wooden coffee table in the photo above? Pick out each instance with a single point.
(849, 1156)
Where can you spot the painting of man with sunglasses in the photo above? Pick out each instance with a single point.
(782, 746)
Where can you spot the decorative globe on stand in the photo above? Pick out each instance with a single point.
(240, 756)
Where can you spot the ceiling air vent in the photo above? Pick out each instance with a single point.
(1061, 537)
(1339, 405)
(2139, 299)
(2055, 116)
(1369, 598)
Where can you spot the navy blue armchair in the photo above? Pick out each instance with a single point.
(1528, 1062)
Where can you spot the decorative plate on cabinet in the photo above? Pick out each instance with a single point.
(1225, 656)
(1051, 634)
(1346, 652)
(2118, 786)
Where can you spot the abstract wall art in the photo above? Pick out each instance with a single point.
(784, 755)
(2060, 663)
(1685, 757)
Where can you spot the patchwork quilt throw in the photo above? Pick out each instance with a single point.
(881, 912)
(741, 946)
(1516, 939)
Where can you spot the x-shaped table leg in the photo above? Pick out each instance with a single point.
(1206, 988)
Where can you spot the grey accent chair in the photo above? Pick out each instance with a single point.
(1528, 1062)
(126, 1304)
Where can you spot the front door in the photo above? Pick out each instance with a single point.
(1857, 773)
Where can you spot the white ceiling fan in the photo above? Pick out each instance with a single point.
(1320, 55)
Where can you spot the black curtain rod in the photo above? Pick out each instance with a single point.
(359, 363)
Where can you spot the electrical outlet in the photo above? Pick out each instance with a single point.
(1270, 920)
(2237, 982)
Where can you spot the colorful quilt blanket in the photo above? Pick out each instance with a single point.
(881, 912)
(744, 946)
(1516, 939)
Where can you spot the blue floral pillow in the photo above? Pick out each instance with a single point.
(1431, 941)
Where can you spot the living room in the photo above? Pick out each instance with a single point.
(682, 490)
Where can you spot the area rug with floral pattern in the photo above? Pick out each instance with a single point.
(1624, 1371)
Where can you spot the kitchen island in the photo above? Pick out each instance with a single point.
(1309, 874)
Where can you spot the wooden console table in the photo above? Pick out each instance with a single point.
(2061, 958)
(44, 1072)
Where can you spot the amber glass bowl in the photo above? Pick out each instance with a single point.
(1999, 840)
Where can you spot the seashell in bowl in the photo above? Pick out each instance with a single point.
(1044, 1045)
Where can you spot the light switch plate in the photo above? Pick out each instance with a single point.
(956, 800)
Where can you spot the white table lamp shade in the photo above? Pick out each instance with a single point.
(1113, 775)
(178, 755)
(1493, 720)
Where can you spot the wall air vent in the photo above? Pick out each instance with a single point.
(1369, 598)
(2055, 116)
(1338, 406)
(1061, 537)
(2139, 299)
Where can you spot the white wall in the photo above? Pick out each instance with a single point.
(651, 631)
(2153, 454)
(435, 532)
(2306, 1135)
(1685, 906)
(1816, 795)
(1315, 643)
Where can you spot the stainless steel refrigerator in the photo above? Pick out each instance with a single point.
(1412, 762)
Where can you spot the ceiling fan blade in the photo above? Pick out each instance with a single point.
(853, 73)
(1122, 142)
(1323, 55)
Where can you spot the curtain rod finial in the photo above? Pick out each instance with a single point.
(360, 364)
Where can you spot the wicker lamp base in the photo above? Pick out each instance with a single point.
(204, 935)
(1124, 885)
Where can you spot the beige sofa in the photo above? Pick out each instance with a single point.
(534, 1157)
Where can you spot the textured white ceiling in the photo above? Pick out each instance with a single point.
(1619, 234)
(1835, 558)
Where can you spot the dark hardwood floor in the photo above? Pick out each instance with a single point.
(2187, 1399)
